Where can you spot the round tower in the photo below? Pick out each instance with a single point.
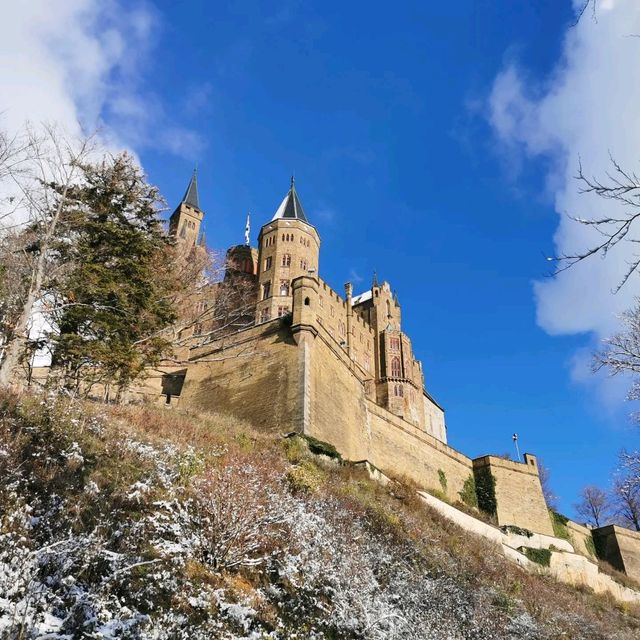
(288, 247)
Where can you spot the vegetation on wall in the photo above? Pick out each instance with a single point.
(539, 556)
(442, 476)
(469, 495)
(559, 524)
(486, 490)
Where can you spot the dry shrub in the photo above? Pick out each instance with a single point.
(241, 513)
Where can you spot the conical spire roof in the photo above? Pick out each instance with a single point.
(291, 207)
(191, 194)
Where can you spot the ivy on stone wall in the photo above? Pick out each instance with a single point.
(468, 495)
(559, 524)
(443, 480)
(486, 490)
(590, 546)
(539, 556)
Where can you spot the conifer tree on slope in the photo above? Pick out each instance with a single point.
(119, 288)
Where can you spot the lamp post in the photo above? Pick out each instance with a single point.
(515, 442)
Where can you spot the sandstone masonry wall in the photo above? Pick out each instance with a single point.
(253, 375)
(518, 492)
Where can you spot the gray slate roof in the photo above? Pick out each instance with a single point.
(291, 207)
(191, 194)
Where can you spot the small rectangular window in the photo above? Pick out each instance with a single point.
(266, 290)
(267, 263)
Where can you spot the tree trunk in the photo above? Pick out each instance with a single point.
(17, 344)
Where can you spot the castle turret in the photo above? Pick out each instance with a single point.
(288, 247)
(185, 221)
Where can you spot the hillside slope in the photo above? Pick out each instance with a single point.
(142, 523)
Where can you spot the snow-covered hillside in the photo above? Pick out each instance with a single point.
(141, 523)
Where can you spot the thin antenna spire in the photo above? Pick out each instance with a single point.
(247, 231)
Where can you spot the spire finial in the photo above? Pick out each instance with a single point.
(247, 231)
(375, 279)
(293, 181)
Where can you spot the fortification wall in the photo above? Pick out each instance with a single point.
(581, 539)
(340, 413)
(620, 548)
(401, 449)
(518, 493)
(303, 380)
(331, 314)
(253, 375)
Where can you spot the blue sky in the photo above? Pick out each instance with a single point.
(430, 142)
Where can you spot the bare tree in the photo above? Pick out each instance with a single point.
(623, 187)
(549, 494)
(42, 167)
(627, 503)
(594, 505)
(626, 491)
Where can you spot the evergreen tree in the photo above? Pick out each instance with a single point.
(116, 295)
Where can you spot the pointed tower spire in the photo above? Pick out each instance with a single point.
(291, 207)
(191, 194)
(375, 279)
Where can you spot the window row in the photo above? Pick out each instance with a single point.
(283, 290)
(285, 262)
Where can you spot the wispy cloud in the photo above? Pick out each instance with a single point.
(583, 111)
(81, 64)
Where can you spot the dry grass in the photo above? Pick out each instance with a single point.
(395, 510)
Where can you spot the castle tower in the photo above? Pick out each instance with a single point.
(185, 221)
(399, 378)
(288, 247)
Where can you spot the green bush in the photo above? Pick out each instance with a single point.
(486, 490)
(539, 556)
(591, 546)
(295, 449)
(305, 477)
(469, 494)
(320, 448)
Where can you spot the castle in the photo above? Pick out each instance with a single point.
(300, 358)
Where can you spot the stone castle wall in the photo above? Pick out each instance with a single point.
(252, 375)
(518, 492)
(283, 379)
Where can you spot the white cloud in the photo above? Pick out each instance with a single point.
(80, 64)
(586, 109)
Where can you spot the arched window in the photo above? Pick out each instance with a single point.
(286, 260)
(396, 370)
(284, 287)
(283, 237)
(388, 309)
